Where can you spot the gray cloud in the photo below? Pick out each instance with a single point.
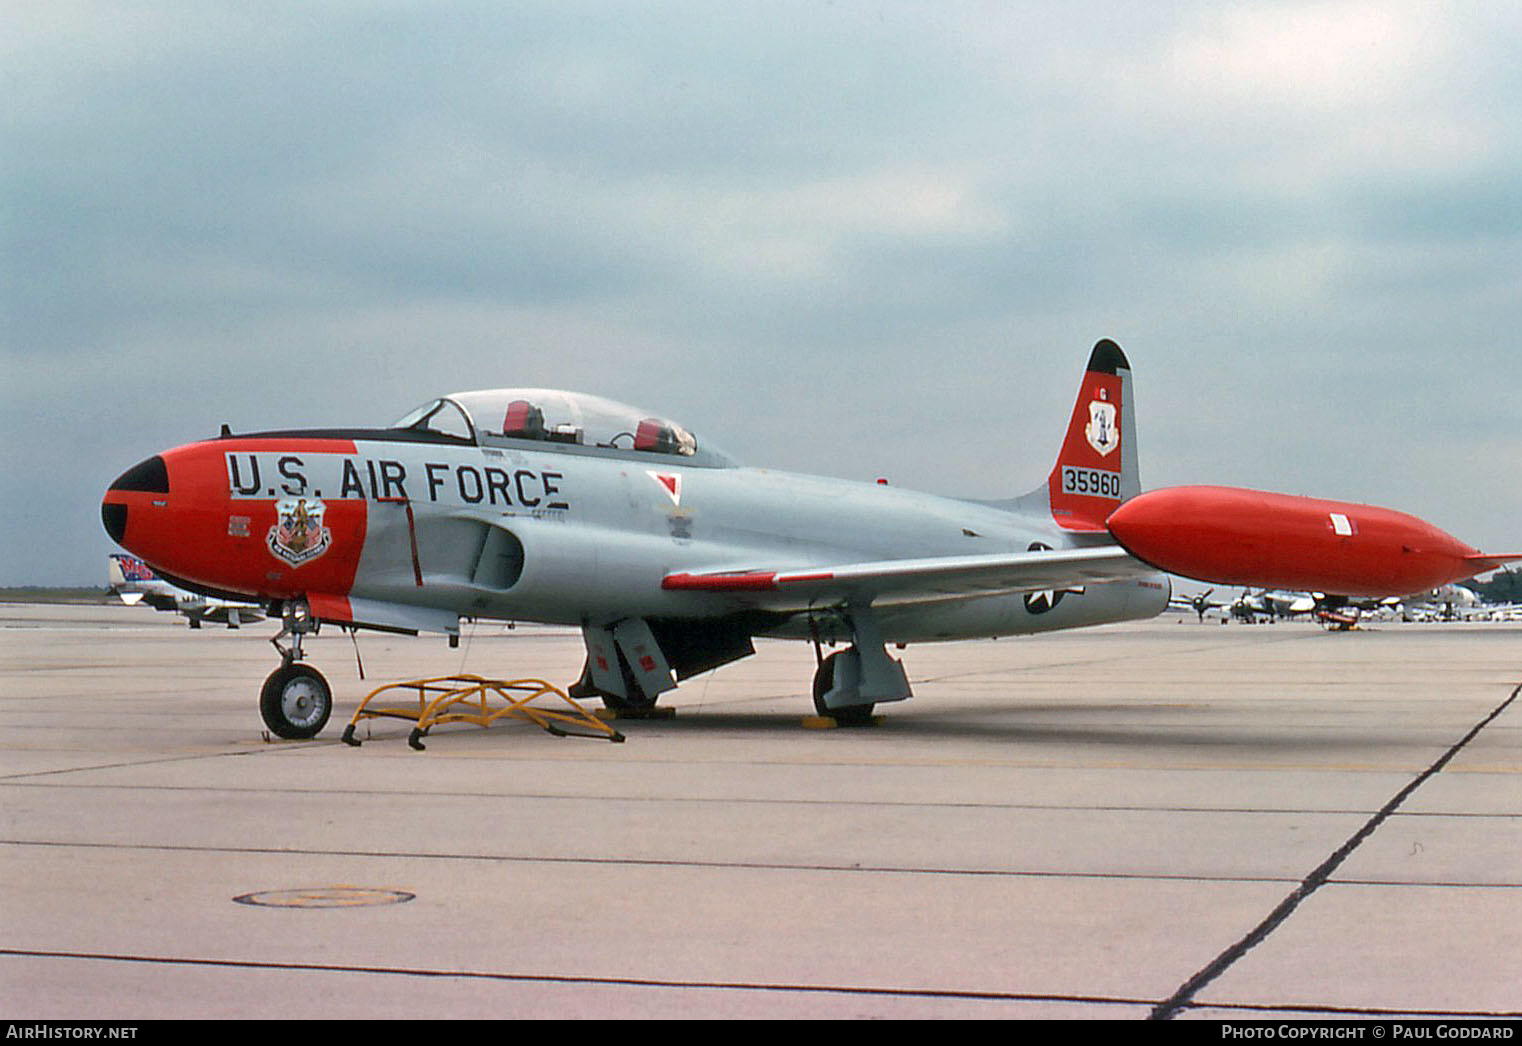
(778, 223)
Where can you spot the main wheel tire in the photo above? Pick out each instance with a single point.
(296, 701)
(824, 680)
(636, 702)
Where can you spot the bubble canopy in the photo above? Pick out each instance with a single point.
(565, 420)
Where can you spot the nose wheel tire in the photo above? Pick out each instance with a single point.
(296, 701)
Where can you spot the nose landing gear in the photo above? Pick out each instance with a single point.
(296, 700)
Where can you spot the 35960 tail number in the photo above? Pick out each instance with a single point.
(1097, 483)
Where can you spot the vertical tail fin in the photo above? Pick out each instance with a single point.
(1097, 468)
(124, 568)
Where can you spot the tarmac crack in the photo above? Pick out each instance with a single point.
(1184, 997)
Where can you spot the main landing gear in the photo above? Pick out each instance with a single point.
(633, 703)
(296, 700)
(824, 682)
(850, 683)
(625, 667)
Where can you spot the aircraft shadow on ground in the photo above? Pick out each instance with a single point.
(1044, 724)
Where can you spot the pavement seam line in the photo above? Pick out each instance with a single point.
(553, 978)
(1183, 998)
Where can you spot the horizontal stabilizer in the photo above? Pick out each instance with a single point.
(1484, 564)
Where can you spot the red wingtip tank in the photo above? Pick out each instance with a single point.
(1231, 536)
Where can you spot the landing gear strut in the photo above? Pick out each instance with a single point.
(296, 700)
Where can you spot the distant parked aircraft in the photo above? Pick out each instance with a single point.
(135, 582)
(1200, 603)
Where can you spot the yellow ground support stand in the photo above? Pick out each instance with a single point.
(468, 699)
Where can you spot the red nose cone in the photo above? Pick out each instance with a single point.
(1247, 537)
(209, 514)
(171, 525)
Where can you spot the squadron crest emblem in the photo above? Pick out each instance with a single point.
(1102, 432)
(298, 535)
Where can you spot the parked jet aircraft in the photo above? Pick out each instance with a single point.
(1274, 604)
(538, 505)
(1335, 612)
(1454, 603)
(1446, 602)
(134, 582)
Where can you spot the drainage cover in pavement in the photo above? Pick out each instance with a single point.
(325, 897)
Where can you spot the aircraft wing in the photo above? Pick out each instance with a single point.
(227, 613)
(160, 601)
(915, 580)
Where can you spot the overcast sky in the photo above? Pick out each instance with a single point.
(858, 239)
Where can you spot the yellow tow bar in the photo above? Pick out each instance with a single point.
(469, 699)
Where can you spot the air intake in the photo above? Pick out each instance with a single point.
(115, 519)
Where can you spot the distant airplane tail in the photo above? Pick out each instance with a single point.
(124, 569)
(1096, 467)
(125, 576)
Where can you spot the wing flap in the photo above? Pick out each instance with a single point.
(915, 580)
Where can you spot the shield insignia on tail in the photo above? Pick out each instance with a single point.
(1101, 431)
